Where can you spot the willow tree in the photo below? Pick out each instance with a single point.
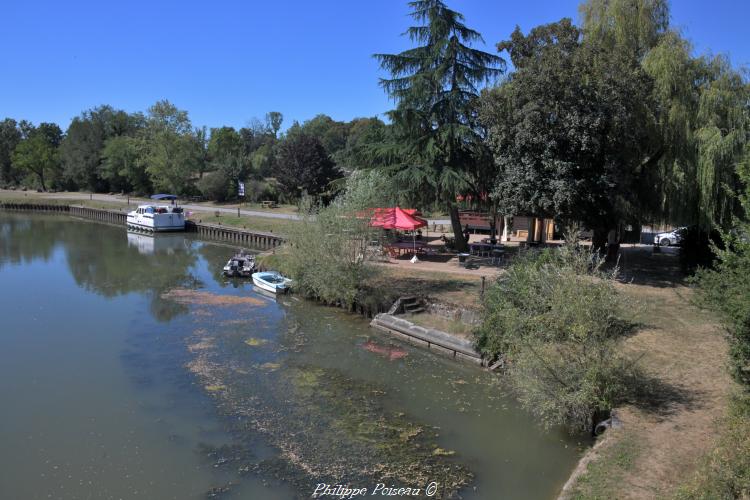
(437, 150)
(700, 105)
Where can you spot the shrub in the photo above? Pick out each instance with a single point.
(556, 318)
(326, 255)
(726, 289)
(214, 186)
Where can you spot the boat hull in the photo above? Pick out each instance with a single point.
(156, 223)
(260, 282)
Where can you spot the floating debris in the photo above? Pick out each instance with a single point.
(188, 296)
(255, 342)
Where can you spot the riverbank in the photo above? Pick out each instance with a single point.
(658, 449)
(276, 221)
(682, 348)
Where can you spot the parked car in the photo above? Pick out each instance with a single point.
(673, 237)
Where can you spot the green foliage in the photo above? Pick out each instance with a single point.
(303, 165)
(37, 154)
(10, 136)
(726, 472)
(331, 134)
(628, 26)
(214, 186)
(274, 119)
(81, 150)
(364, 135)
(123, 165)
(556, 318)
(726, 289)
(326, 254)
(571, 129)
(173, 153)
(436, 150)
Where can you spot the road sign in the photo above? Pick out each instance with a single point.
(242, 188)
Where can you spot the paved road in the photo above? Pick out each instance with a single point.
(199, 207)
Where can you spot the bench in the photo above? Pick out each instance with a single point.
(268, 204)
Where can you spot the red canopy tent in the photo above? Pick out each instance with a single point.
(398, 218)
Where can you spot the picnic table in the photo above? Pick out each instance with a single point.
(484, 248)
(268, 204)
(400, 247)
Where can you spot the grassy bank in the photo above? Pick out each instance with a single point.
(207, 215)
(683, 349)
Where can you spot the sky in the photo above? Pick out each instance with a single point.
(226, 62)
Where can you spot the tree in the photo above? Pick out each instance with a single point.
(331, 134)
(303, 165)
(173, 152)
(571, 130)
(700, 106)
(10, 136)
(274, 120)
(364, 135)
(123, 164)
(631, 27)
(81, 150)
(435, 85)
(38, 153)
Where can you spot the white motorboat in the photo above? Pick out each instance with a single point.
(272, 281)
(157, 218)
(241, 265)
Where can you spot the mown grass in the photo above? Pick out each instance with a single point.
(267, 225)
(454, 326)
(604, 476)
(725, 472)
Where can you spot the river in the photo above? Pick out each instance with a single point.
(129, 368)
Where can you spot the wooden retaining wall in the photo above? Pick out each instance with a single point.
(36, 207)
(100, 214)
(435, 340)
(254, 239)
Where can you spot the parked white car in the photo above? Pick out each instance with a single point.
(673, 237)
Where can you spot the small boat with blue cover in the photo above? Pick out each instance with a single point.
(272, 282)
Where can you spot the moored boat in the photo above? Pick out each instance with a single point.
(241, 265)
(271, 281)
(157, 218)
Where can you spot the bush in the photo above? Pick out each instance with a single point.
(326, 255)
(556, 319)
(214, 186)
(726, 289)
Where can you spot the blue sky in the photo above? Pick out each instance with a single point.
(228, 61)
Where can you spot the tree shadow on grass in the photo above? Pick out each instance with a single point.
(641, 266)
(659, 397)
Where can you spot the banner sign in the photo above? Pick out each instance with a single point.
(242, 188)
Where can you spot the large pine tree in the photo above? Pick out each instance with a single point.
(437, 150)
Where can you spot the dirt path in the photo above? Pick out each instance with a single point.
(659, 448)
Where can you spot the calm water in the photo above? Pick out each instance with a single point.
(130, 369)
